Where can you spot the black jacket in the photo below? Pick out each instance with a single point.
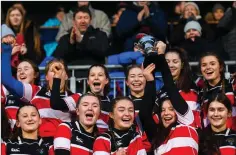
(177, 35)
(92, 49)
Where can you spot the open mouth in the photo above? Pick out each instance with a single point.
(23, 78)
(126, 120)
(209, 73)
(167, 119)
(89, 115)
(96, 84)
(136, 84)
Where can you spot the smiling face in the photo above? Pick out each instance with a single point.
(210, 69)
(168, 115)
(174, 63)
(123, 114)
(97, 80)
(15, 18)
(28, 119)
(88, 111)
(82, 21)
(136, 81)
(218, 115)
(26, 73)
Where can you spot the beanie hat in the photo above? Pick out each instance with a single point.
(218, 6)
(6, 31)
(193, 25)
(194, 4)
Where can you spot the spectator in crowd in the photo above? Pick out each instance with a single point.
(216, 14)
(98, 20)
(15, 19)
(98, 81)
(191, 12)
(217, 138)
(227, 32)
(178, 10)
(27, 72)
(26, 139)
(116, 42)
(121, 137)
(195, 45)
(79, 135)
(55, 100)
(56, 21)
(143, 17)
(175, 114)
(84, 45)
(213, 68)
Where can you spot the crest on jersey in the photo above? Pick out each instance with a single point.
(230, 141)
(79, 139)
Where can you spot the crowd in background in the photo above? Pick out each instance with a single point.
(182, 113)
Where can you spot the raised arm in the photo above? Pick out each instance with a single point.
(14, 86)
(184, 113)
(145, 113)
(67, 103)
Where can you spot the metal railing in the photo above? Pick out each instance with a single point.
(73, 79)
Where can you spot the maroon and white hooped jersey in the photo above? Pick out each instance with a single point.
(211, 93)
(72, 138)
(108, 144)
(51, 118)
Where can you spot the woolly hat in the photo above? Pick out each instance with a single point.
(194, 4)
(5, 31)
(193, 25)
(218, 6)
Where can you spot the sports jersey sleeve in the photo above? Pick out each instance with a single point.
(102, 146)
(145, 112)
(62, 139)
(14, 86)
(64, 104)
(3, 147)
(184, 114)
(24, 91)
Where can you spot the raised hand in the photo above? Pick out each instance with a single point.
(23, 49)
(147, 72)
(140, 15)
(146, 11)
(58, 70)
(160, 47)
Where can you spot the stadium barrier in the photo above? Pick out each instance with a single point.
(121, 79)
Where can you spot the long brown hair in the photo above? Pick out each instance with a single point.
(24, 27)
(21, 28)
(185, 80)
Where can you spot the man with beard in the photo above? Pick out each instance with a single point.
(83, 45)
(99, 20)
